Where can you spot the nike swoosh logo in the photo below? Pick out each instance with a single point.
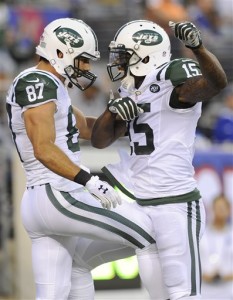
(36, 80)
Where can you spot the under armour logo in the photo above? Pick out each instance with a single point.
(102, 188)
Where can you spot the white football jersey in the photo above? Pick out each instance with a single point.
(162, 138)
(32, 88)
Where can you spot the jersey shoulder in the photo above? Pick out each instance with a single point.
(35, 87)
(178, 70)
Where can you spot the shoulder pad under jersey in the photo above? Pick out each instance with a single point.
(181, 69)
(35, 87)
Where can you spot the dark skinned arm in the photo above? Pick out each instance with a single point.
(109, 127)
(206, 86)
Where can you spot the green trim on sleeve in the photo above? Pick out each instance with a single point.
(181, 69)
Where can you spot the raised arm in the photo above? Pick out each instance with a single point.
(213, 78)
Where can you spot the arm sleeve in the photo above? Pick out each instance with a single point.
(35, 89)
(181, 69)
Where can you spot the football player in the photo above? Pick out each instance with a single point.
(158, 173)
(62, 199)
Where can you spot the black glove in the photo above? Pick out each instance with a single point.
(125, 107)
(187, 33)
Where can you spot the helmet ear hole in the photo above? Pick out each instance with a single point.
(146, 60)
(59, 54)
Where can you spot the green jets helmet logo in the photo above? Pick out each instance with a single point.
(147, 37)
(71, 36)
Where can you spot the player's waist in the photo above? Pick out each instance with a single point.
(32, 187)
(187, 197)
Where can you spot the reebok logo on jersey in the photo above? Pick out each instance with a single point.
(147, 37)
(154, 88)
(71, 36)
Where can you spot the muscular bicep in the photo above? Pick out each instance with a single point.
(107, 129)
(40, 126)
(190, 84)
(196, 89)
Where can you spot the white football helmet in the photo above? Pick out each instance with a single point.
(74, 39)
(138, 47)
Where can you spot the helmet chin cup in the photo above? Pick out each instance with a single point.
(140, 39)
(72, 38)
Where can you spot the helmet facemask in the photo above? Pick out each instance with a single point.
(81, 78)
(120, 59)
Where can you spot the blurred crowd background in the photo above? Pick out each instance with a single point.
(21, 24)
